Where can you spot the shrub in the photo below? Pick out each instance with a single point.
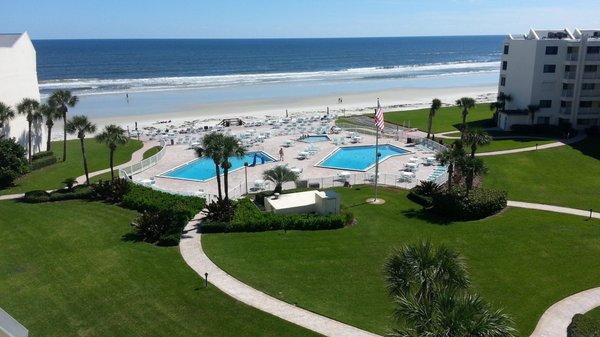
(42, 162)
(583, 326)
(12, 161)
(144, 199)
(112, 190)
(420, 199)
(259, 198)
(69, 183)
(39, 196)
(36, 196)
(219, 211)
(41, 155)
(478, 204)
(150, 226)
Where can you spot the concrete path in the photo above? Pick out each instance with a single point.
(555, 321)
(555, 209)
(533, 148)
(191, 250)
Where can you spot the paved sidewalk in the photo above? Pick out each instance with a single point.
(533, 148)
(555, 321)
(191, 250)
(555, 209)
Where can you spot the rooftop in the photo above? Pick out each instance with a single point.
(8, 40)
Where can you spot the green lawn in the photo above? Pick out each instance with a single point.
(66, 270)
(446, 119)
(51, 177)
(151, 151)
(516, 143)
(521, 260)
(566, 176)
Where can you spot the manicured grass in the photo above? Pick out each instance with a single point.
(51, 177)
(446, 119)
(593, 314)
(521, 260)
(566, 176)
(151, 151)
(516, 143)
(67, 269)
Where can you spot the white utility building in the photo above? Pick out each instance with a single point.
(18, 80)
(557, 70)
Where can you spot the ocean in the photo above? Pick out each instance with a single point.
(118, 66)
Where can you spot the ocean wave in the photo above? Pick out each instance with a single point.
(104, 86)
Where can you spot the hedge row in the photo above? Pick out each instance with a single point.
(248, 218)
(583, 326)
(39, 196)
(39, 163)
(477, 204)
(144, 199)
(42, 154)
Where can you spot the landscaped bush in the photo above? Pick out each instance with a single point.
(12, 161)
(582, 326)
(39, 163)
(477, 204)
(219, 211)
(423, 193)
(42, 154)
(420, 199)
(112, 190)
(39, 196)
(144, 199)
(248, 218)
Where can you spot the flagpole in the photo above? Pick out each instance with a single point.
(376, 160)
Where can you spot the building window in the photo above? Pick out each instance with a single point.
(593, 50)
(502, 81)
(588, 86)
(585, 104)
(565, 104)
(506, 47)
(549, 68)
(552, 50)
(570, 50)
(504, 65)
(590, 68)
(545, 104)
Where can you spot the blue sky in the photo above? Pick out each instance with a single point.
(289, 18)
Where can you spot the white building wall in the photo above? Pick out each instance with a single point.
(18, 80)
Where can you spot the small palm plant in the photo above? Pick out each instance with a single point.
(212, 148)
(500, 104)
(471, 167)
(112, 136)
(230, 148)
(30, 108)
(69, 183)
(476, 138)
(280, 175)
(466, 103)
(6, 114)
(451, 157)
(81, 126)
(436, 104)
(50, 114)
(63, 100)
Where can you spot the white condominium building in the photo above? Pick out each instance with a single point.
(556, 70)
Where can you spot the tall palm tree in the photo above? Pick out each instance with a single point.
(230, 147)
(477, 137)
(50, 113)
(211, 148)
(280, 175)
(112, 136)
(471, 167)
(451, 157)
(466, 103)
(30, 108)
(81, 126)
(436, 104)
(63, 99)
(6, 114)
(532, 109)
(500, 104)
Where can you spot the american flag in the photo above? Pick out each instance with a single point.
(379, 117)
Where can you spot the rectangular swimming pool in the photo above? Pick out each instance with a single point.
(203, 169)
(359, 158)
(315, 139)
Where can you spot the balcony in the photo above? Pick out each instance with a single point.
(567, 93)
(594, 75)
(570, 75)
(592, 57)
(565, 110)
(572, 57)
(590, 93)
(588, 111)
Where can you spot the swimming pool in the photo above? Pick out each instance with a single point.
(359, 158)
(315, 139)
(203, 169)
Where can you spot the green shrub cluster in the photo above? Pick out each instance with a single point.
(544, 130)
(583, 326)
(423, 193)
(248, 218)
(112, 190)
(479, 203)
(42, 154)
(12, 161)
(78, 192)
(41, 162)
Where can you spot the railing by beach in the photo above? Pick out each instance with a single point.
(432, 144)
(129, 171)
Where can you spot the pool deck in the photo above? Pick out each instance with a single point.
(177, 155)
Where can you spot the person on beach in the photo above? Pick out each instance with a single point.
(280, 154)
(127, 97)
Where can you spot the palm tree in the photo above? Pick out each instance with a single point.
(6, 114)
(466, 103)
(230, 147)
(280, 175)
(471, 167)
(63, 99)
(500, 104)
(436, 104)
(477, 137)
(451, 157)
(112, 136)
(50, 113)
(532, 109)
(211, 148)
(30, 108)
(80, 125)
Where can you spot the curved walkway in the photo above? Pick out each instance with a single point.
(555, 321)
(534, 148)
(191, 250)
(555, 209)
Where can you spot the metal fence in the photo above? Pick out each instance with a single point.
(129, 171)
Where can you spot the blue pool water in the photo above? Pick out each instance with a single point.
(315, 139)
(359, 158)
(204, 168)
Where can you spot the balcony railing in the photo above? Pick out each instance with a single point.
(565, 110)
(567, 93)
(589, 111)
(572, 57)
(592, 57)
(570, 75)
(590, 93)
(591, 75)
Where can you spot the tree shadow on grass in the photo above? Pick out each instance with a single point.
(425, 215)
(589, 147)
(484, 123)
